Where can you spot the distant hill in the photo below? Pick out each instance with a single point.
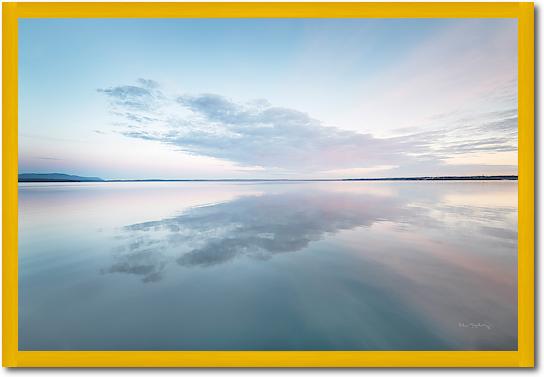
(56, 177)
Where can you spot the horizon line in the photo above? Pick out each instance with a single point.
(75, 178)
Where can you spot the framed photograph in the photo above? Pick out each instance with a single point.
(268, 185)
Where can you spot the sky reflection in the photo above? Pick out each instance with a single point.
(269, 266)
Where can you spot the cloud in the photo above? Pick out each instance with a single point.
(49, 158)
(467, 66)
(487, 133)
(142, 96)
(258, 134)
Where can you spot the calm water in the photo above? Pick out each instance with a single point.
(268, 266)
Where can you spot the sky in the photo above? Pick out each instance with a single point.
(267, 98)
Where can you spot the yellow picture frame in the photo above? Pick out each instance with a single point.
(523, 357)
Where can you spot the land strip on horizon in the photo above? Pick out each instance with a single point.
(57, 177)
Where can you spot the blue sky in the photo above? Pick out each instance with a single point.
(267, 98)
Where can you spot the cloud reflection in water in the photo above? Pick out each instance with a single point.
(298, 266)
(253, 226)
(424, 262)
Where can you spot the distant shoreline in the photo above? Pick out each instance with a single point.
(442, 178)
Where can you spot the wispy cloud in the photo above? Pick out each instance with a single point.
(49, 158)
(257, 133)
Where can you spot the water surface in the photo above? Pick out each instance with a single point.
(268, 266)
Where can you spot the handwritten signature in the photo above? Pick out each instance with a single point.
(473, 325)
